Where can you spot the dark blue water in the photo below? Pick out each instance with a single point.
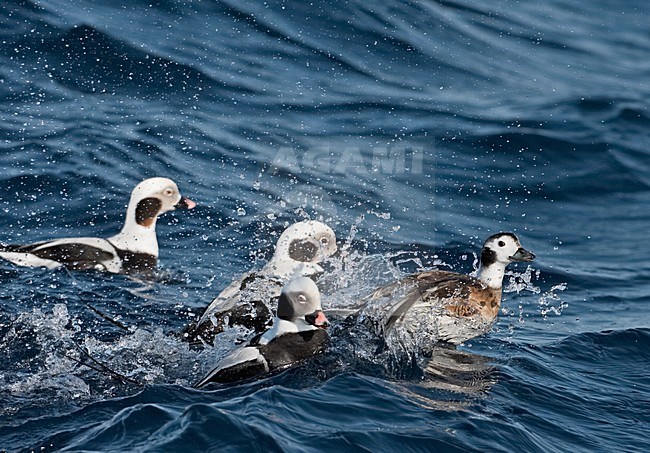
(415, 129)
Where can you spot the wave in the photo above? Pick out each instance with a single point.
(627, 346)
(87, 60)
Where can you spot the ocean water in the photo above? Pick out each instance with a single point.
(415, 129)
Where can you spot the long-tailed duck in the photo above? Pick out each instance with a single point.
(247, 301)
(298, 333)
(132, 250)
(435, 306)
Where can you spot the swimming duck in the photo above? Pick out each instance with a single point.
(298, 332)
(432, 306)
(133, 250)
(247, 300)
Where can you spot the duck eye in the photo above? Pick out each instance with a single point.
(302, 299)
(169, 192)
(324, 241)
(502, 244)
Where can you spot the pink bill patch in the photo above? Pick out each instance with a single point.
(190, 204)
(321, 320)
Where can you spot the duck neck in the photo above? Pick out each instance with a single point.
(492, 275)
(136, 237)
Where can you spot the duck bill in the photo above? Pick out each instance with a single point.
(185, 203)
(317, 319)
(522, 255)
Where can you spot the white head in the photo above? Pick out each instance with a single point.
(308, 241)
(153, 197)
(498, 251)
(149, 199)
(300, 299)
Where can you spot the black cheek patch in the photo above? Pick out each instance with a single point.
(304, 251)
(285, 308)
(147, 210)
(488, 256)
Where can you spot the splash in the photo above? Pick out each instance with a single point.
(550, 301)
(51, 357)
(150, 356)
(39, 345)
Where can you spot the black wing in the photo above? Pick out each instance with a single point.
(76, 256)
(291, 348)
(427, 286)
(243, 363)
(239, 372)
